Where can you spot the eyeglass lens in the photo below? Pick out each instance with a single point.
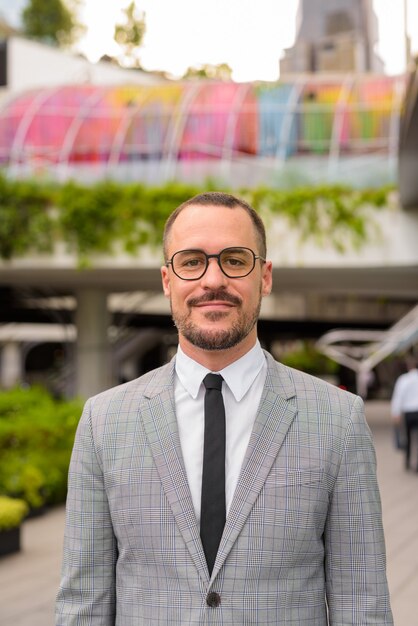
(234, 262)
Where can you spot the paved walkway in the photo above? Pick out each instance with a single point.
(399, 491)
(29, 580)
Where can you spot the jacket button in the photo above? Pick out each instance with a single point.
(213, 599)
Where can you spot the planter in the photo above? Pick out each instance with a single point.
(12, 513)
(9, 541)
(37, 512)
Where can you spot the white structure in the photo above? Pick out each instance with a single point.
(29, 64)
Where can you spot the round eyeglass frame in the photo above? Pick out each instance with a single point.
(218, 258)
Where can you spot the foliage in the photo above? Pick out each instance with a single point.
(94, 219)
(109, 216)
(336, 213)
(307, 359)
(222, 72)
(130, 34)
(36, 438)
(12, 512)
(24, 221)
(50, 21)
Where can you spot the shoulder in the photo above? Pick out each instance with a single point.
(333, 417)
(312, 392)
(125, 395)
(404, 380)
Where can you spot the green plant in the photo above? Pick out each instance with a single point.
(328, 214)
(107, 217)
(51, 21)
(25, 223)
(307, 359)
(36, 438)
(23, 480)
(12, 512)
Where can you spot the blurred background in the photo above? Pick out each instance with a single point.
(113, 113)
(107, 124)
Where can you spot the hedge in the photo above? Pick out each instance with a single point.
(107, 216)
(36, 439)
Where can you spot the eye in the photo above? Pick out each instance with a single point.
(193, 262)
(189, 260)
(236, 259)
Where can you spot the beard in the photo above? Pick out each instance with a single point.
(216, 339)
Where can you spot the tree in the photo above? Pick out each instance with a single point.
(51, 21)
(129, 35)
(222, 71)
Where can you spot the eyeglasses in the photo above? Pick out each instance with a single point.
(234, 262)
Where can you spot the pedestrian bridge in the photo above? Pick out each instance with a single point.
(386, 265)
(308, 279)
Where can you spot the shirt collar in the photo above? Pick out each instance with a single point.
(239, 376)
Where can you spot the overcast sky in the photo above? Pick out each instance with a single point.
(249, 35)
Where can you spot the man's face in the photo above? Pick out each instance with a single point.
(215, 312)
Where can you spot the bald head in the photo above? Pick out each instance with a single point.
(217, 198)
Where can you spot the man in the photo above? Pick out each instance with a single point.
(404, 405)
(302, 542)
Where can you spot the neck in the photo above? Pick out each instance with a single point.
(216, 360)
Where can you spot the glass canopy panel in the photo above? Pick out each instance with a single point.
(275, 111)
(349, 115)
(89, 138)
(11, 114)
(42, 121)
(207, 129)
(152, 122)
(316, 116)
(372, 112)
(246, 124)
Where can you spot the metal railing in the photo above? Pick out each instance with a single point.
(362, 350)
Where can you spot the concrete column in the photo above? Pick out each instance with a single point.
(11, 369)
(93, 367)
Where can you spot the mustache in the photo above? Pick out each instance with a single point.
(220, 296)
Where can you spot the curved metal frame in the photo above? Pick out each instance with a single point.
(174, 127)
(372, 346)
(120, 135)
(25, 122)
(334, 150)
(227, 153)
(288, 120)
(71, 134)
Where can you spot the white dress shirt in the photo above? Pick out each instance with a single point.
(405, 393)
(241, 390)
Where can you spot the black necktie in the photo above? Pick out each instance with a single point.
(213, 509)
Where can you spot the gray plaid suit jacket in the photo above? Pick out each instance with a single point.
(303, 541)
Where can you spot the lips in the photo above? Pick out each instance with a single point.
(213, 305)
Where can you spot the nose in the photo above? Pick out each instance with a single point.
(213, 278)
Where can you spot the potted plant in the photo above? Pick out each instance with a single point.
(12, 513)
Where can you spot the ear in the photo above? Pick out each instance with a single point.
(166, 281)
(267, 278)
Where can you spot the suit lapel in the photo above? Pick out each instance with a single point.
(273, 420)
(160, 424)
